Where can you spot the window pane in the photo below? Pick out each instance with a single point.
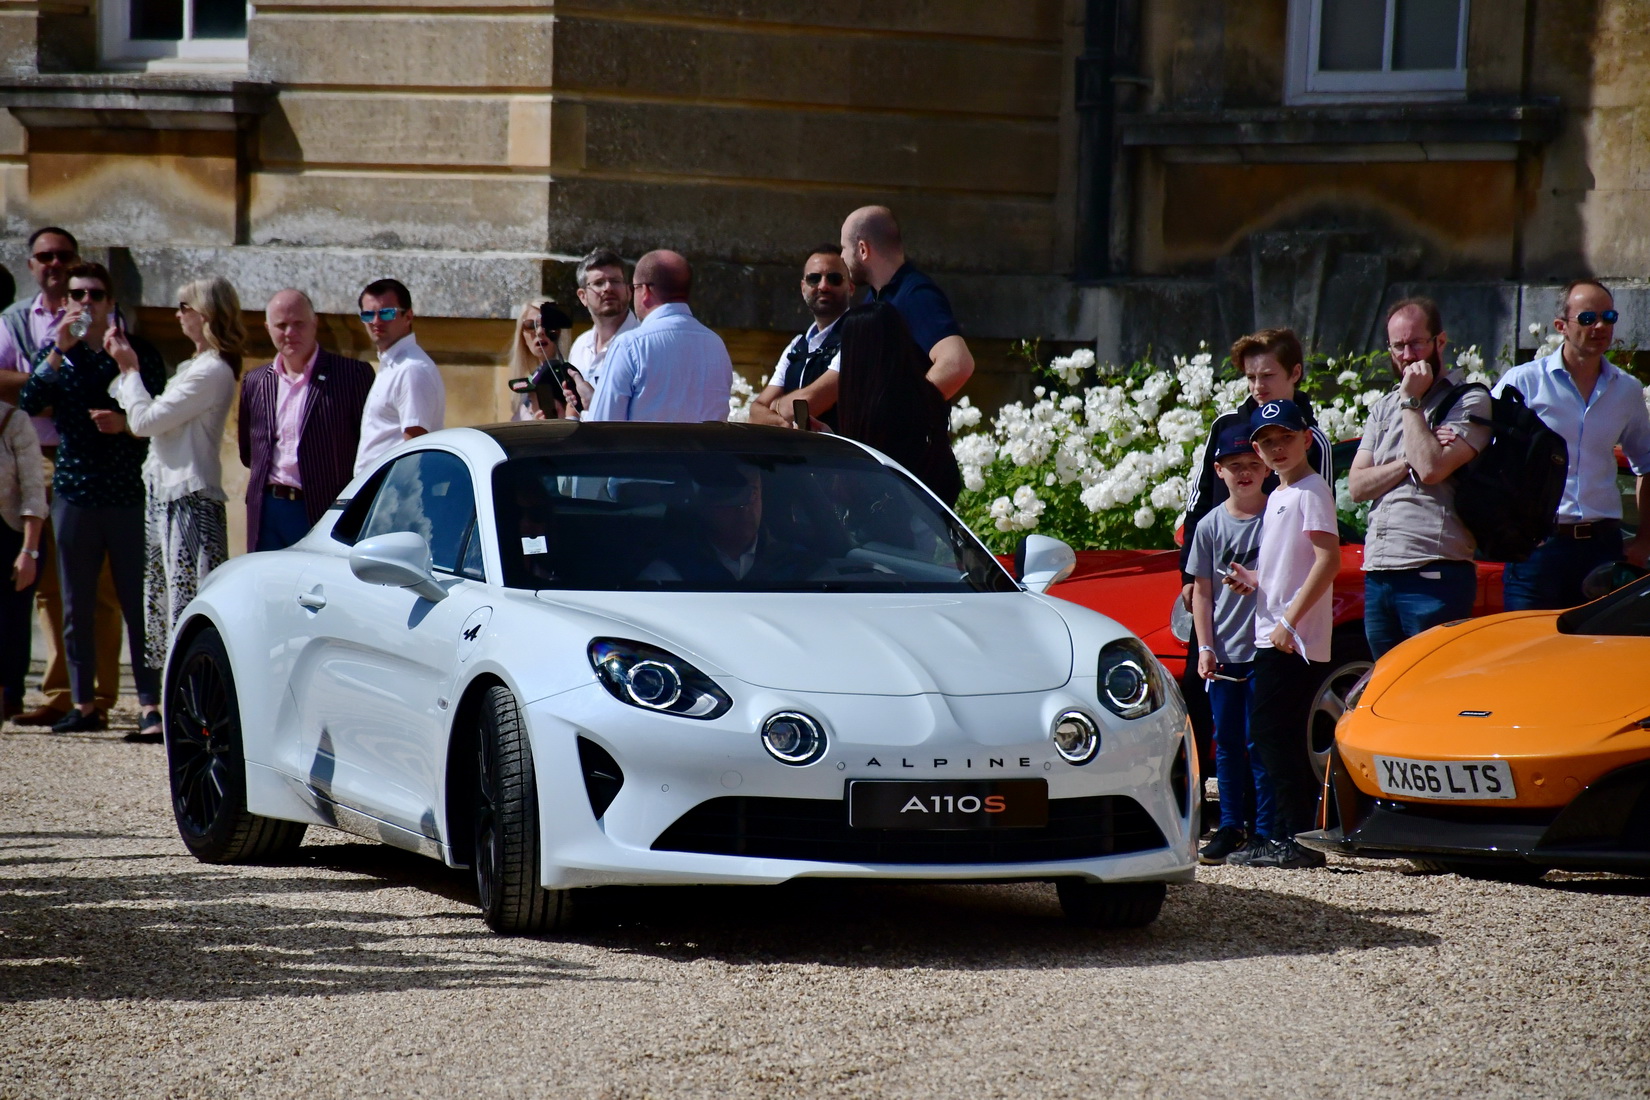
(1425, 34)
(428, 494)
(1353, 34)
(220, 18)
(157, 19)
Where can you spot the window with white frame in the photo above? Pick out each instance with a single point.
(1362, 50)
(182, 33)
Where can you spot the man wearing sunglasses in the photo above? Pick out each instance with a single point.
(28, 330)
(97, 487)
(809, 368)
(407, 398)
(1585, 398)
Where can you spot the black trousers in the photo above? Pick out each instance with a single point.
(1284, 686)
(85, 536)
(16, 629)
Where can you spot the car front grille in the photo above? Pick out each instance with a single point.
(817, 829)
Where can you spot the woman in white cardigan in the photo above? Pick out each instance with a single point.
(187, 528)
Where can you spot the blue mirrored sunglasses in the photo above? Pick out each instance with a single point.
(1587, 318)
(388, 313)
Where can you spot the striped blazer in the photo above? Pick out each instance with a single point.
(327, 443)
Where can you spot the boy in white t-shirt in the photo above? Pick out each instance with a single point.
(1299, 557)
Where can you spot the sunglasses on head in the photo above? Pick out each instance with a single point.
(83, 293)
(1587, 318)
(833, 278)
(62, 256)
(388, 313)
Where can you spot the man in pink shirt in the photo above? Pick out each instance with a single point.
(300, 425)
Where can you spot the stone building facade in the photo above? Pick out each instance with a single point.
(1137, 174)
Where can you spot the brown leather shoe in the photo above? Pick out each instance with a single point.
(40, 716)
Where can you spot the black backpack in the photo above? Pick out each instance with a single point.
(1508, 495)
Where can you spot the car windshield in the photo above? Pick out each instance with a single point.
(1625, 611)
(708, 521)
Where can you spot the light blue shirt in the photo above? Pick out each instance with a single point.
(1614, 413)
(668, 368)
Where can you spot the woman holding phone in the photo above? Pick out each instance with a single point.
(185, 521)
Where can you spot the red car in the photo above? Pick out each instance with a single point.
(1138, 588)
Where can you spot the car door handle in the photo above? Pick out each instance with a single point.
(313, 599)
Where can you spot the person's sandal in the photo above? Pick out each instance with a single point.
(151, 732)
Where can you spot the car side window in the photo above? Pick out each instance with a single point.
(428, 493)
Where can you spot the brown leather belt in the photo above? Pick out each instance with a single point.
(1585, 530)
(284, 492)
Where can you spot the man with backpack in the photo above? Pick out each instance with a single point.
(1594, 406)
(1418, 553)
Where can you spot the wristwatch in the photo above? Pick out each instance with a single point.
(35, 554)
(1410, 403)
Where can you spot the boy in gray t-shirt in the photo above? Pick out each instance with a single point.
(1229, 534)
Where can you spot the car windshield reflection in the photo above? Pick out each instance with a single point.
(720, 521)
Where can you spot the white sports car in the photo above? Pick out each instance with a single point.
(576, 655)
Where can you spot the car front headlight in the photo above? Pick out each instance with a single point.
(1357, 691)
(1130, 680)
(653, 679)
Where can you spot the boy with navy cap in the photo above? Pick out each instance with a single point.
(1225, 617)
(1299, 557)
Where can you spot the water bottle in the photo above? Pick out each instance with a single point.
(80, 326)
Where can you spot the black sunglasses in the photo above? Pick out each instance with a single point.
(63, 256)
(834, 278)
(82, 293)
(1587, 318)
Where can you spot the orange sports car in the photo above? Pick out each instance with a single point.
(1502, 747)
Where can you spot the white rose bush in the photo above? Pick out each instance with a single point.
(1109, 464)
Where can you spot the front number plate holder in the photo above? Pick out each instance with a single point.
(947, 804)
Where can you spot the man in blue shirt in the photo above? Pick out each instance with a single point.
(1584, 398)
(670, 367)
(875, 254)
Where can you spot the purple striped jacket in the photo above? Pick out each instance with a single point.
(326, 447)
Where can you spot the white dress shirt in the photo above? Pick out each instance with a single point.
(1613, 413)
(407, 393)
(586, 359)
(184, 426)
(669, 368)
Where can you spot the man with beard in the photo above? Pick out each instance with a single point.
(605, 292)
(1418, 569)
(812, 363)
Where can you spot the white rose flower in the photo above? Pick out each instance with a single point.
(1144, 517)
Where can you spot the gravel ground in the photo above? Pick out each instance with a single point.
(126, 968)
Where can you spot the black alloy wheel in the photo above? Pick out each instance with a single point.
(207, 766)
(507, 826)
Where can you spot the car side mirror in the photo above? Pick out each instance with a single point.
(400, 559)
(1041, 562)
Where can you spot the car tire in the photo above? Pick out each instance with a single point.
(1349, 659)
(1110, 904)
(507, 827)
(207, 763)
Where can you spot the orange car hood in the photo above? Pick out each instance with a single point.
(1527, 675)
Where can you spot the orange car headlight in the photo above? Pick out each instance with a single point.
(1357, 691)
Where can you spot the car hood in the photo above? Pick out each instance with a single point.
(1525, 675)
(851, 644)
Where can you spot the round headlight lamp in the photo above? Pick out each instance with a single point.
(653, 684)
(1126, 685)
(1076, 737)
(1131, 683)
(793, 738)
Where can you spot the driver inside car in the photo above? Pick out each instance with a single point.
(723, 540)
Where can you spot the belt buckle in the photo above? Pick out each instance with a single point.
(1582, 531)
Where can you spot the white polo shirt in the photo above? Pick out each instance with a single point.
(408, 393)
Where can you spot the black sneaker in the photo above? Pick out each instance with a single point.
(1288, 855)
(1251, 853)
(77, 722)
(150, 732)
(1225, 841)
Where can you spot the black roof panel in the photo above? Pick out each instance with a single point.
(524, 439)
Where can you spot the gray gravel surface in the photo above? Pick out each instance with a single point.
(128, 969)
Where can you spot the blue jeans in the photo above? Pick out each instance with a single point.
(1400, 603)
(281, 523)
(1245, 798)
(1551, 578)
